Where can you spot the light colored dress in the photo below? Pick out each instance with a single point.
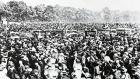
(52, 72)
(78, 70)
(3, 74)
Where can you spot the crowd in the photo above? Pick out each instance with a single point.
(98, 57)
(27, 27)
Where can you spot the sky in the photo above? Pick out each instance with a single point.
(94, 5)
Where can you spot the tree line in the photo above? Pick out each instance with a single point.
(19, 11)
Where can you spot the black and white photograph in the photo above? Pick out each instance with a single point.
(69, 39)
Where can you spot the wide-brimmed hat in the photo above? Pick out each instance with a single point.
(107, 58)
(33, 49)
(123, 69)
(12, 50)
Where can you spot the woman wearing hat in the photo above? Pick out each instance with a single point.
(77, 69)
(124, 74)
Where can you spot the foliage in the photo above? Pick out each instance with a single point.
(18, 11)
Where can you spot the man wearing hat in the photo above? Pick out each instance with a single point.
(124, 74)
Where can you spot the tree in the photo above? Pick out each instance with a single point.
(49, 13)
(31, 13)
(116, 17)
(4, 10)
(18, 9)
(23, 10)
(106, 15)
(126, 17)
(39, 9)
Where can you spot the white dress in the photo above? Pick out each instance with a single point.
(78, 70)
(51, 72)
(3, 74)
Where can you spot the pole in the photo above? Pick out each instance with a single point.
(124, 36)
(6, 28)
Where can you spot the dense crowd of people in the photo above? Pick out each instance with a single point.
(48, 57)
(27, 27)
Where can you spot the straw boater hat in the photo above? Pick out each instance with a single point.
(54, 50)
(33, 49)
(107, 58)
(123, 69)
(78, 60)
(115, 55)
(12, 50)
(61, 54)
